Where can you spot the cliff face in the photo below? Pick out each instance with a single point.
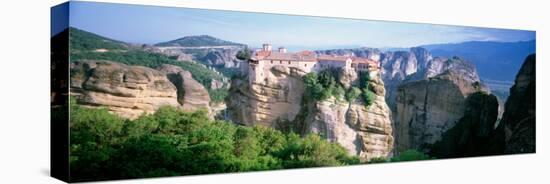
(278, 102)
(474, 134)
(279, 96)
(191, 94)
(518, 120)
(222, 58)
(130, 91)
(396, 67)
(426, 109)
(363, 131)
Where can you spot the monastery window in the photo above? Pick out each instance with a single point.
(305, 64)
(271, 61)
(288, 62)
(280, 62)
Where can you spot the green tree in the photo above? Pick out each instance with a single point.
(368, 96)
(244, 54)
(352, 94)
(172, 142)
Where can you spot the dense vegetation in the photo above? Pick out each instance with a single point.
(172, 142)
(218, 95)
(83, 45)
(82, 40)
(324, 85)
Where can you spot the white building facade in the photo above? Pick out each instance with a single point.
(264, 59)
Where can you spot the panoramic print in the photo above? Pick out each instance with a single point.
(160, 91)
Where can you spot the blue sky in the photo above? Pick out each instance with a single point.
(151, 24)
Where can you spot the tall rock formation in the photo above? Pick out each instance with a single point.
(278, 97)
(474, 134)
(425, 109)
(191, 94)
(278, 101)
(363, 130)
(519, 121)
(222, 58)
(396, 67)
(131, 91)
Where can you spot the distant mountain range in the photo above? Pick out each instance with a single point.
(197, 41)
(494, 60)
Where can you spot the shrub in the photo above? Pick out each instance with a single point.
(410, 155)
(352, 94)
(338, 92)
(368, 96)
(218, 95)
(244, 54)
(378, 160)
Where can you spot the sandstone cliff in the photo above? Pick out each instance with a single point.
(474, 134)
(426, 109)
(191, 94)
(363, 130)
(279, 96)
(279, 102)
(396, 67)
(518, 120)
(130, 91)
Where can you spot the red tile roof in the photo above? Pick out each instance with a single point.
(307, 56)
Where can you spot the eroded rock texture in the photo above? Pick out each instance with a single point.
(278, 101)
(363, 130)
(426, 109)
(131, 91)
(277, 97)
(519, 120)
(474, 134)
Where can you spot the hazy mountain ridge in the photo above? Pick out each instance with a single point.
(494, 60)
(197, 41)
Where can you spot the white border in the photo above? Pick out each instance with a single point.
(24, 97)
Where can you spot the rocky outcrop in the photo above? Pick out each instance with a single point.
(365, 131)
(417, 63)
(185, 57)
(279, 102)
(396, 67)
(474, 134)
(191, 94)
(216, 84)
(131, 91)
(279, 96)
(222, 58)
(426, 109)
(518, 121)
